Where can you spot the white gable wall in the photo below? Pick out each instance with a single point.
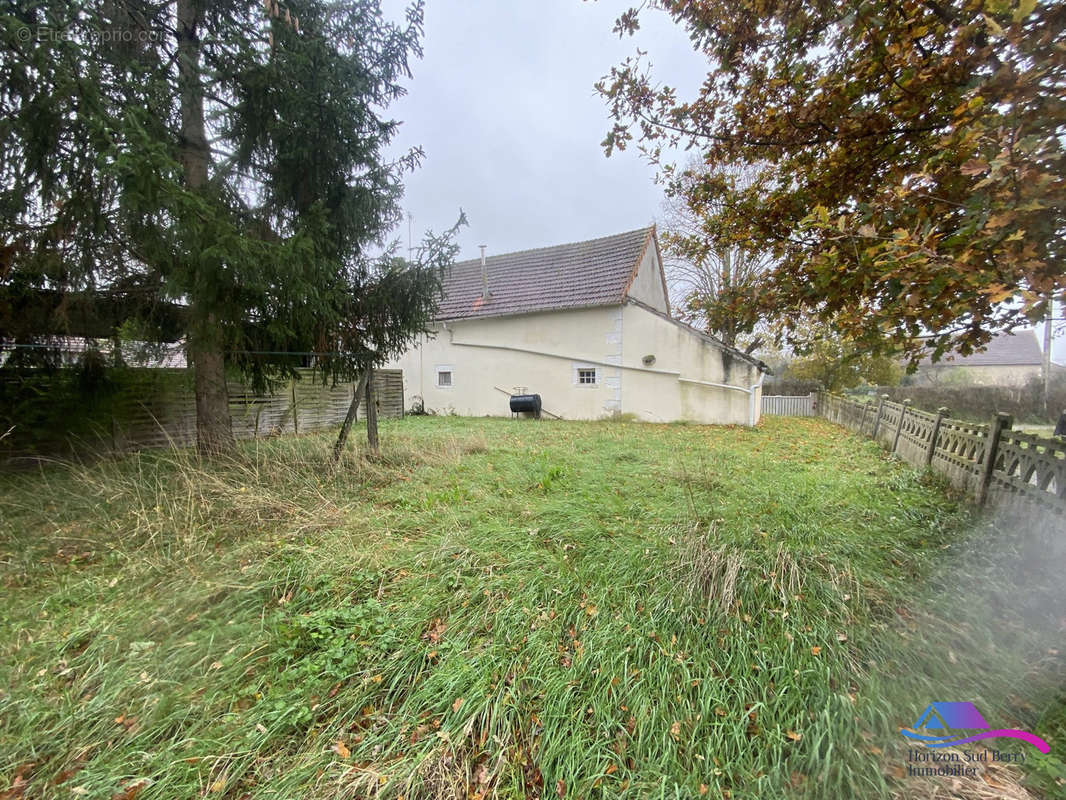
(647, 286)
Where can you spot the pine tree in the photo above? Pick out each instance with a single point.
(220, 156)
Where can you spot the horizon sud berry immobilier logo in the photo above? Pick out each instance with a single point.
(948, 724)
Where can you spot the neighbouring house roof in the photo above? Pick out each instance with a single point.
(1019, 349)
(566, 276)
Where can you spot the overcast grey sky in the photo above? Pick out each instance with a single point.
(503, 105)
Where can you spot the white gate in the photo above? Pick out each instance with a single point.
(790, 405)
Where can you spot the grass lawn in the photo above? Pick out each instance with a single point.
(516, 609)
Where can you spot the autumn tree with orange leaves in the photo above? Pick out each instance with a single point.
(911, 185)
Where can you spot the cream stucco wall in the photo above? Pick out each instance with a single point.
(538, 353)
(696, 362)
(648, 285)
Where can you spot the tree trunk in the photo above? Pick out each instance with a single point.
(371, 416)
(214, 431)
(349, 418)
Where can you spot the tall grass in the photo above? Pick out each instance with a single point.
(498, 609)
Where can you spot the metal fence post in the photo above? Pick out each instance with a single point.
(877, 419)
(1000, 422)
(899, 425)
(940, 414)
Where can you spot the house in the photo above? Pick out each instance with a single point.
(1010, 359)
(587, 326)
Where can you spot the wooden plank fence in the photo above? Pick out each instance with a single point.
(790, 405)
(991, 463)
(140, 421)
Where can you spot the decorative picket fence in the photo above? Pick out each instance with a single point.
(991, 463)
(790, 405)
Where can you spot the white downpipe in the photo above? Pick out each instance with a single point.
(751, 400)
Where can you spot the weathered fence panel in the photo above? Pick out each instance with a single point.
(959, 453)
(790, 405)
(988, 462)
(145, 418)
(1029, 468)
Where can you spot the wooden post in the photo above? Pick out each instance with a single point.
(295, 416)
(371, 414)
(899, 425)
(1000, 422)
(880, 411)
(349, 418)
(865, 408)
(931, 449)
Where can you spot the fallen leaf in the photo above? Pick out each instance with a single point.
(560, 787)
(842, 637)
(458, 702)
(341, 750)
(130, 792)
(611, 769)
(815, 651)
(703, 788)
(790, 734)
(675, 730)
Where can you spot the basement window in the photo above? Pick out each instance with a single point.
(586, 376)
(444, 377)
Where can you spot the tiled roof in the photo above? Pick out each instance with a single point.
(1017, 349)
(577, 275)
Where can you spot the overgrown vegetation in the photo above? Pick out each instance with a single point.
(511, 609)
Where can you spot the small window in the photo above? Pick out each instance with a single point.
(586, 376)
(444, 376)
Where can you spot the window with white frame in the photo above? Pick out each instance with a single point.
(445, 375)
(585, 375)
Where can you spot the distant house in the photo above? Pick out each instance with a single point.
(68, 351)
(585, 325)
(1008, 360)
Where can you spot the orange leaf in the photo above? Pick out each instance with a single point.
(458, 702)
(560, 787)
(815, 651)
(129, 792)
(793, 735)
(611, 769)
(341, 750)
